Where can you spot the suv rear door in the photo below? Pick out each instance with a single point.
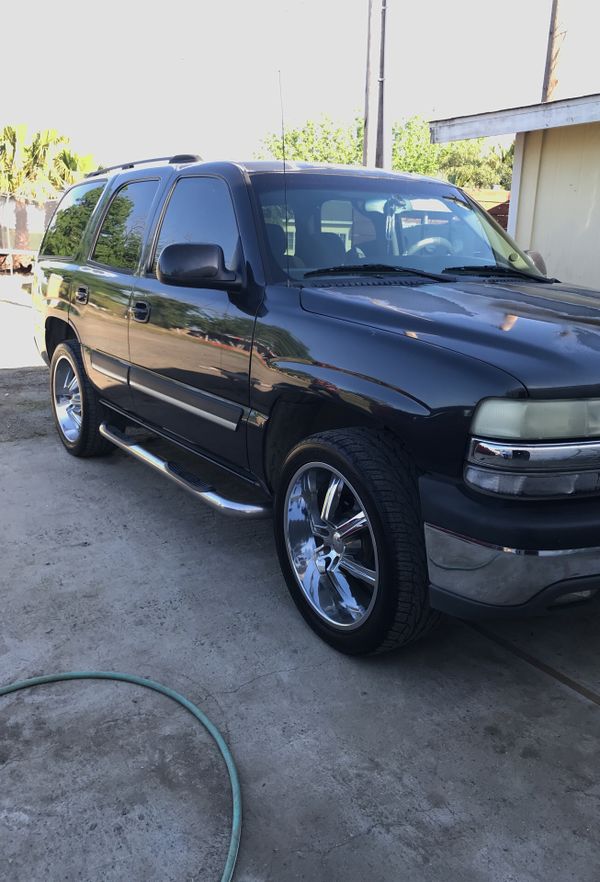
(102, 287)
(190, 347)
(57, 263)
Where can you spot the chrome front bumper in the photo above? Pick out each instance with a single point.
(503, 577)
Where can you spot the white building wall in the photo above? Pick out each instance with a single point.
(558, 201)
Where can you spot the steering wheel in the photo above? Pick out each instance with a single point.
(432, 245)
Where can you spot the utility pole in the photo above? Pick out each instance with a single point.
(381, 157)
(377, 147)
(368, 151)
(556, 35)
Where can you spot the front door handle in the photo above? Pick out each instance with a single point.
(82, 294)
(140, 311)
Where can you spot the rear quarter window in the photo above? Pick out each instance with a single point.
(70, 219)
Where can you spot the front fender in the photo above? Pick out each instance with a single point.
(327, 372)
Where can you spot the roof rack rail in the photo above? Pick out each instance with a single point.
(179, 157)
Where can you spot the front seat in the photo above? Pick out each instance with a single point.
(276, 239)
(323, 249)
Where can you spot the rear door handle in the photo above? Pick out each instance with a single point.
(140, 311)
(82, 294)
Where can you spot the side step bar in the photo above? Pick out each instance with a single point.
(191, 483)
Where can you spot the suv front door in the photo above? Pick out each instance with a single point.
(190, 347)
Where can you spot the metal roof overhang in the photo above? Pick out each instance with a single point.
(531, 118)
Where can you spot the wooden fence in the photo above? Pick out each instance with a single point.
(494, 201)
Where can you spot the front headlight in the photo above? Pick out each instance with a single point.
(510, 453)
(537, 420)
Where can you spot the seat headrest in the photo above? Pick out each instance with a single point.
(323, 249)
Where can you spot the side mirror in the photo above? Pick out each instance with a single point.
(538, 260)
(195, 266)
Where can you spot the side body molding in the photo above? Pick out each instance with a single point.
(199, 403)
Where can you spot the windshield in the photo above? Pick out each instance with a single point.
(335, 220)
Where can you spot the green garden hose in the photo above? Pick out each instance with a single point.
(236, 795)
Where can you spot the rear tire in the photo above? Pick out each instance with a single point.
(76, 405)
(350, 541)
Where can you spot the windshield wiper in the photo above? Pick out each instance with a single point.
(352, 269)
(457, 200)
(493, 269)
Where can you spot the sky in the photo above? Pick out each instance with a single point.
(126, 80)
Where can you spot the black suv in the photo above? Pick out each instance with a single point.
(368, 352)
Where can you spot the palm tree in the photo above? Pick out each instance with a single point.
(12, 174)
(36, 170)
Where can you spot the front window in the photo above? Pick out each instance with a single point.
(327, 220)
(200, 210)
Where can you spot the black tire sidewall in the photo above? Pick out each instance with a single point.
(367, 637)
(67, 351)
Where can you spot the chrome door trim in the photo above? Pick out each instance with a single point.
(194, 409)
(109, 366)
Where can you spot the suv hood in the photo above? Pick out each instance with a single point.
(545, 335)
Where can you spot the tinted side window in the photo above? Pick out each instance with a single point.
(70, 220)
(121, 235)
(200, 210)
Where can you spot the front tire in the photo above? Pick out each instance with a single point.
(350, 541)
(76, 406)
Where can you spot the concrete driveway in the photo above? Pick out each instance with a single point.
(471, 756)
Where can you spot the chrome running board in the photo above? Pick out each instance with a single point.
(194, 485)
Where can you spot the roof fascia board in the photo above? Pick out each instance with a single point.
(568, 112)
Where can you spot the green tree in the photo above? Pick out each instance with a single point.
(63, 238)
(465, 163)
(36, 169)
(470, 164)
(502, 160)
(320, 141)
(117, 244)
(412, 150)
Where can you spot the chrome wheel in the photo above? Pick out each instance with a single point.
(331, 546)
(67, 400)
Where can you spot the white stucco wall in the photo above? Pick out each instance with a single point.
(558, 211)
